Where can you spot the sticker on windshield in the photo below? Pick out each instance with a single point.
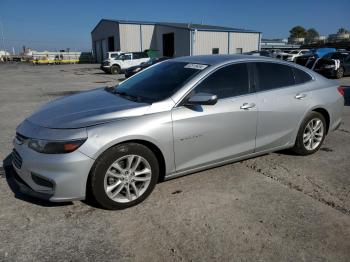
(196, 66)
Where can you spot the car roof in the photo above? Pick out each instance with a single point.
(340, 52)
(219, 59)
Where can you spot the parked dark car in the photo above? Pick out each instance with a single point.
(309, 58)
(336, 64)
(135, 69)
(260, 53)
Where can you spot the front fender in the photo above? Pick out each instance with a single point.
(154, 128)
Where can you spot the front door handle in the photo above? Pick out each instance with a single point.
(300, 96)
(247, 106)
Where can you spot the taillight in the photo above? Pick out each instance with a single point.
(341, 90)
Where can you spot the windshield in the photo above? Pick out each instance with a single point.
(114, 55)
(151, 61)
(294, 52)
(158, 82)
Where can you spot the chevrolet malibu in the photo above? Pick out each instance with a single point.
(174, 118)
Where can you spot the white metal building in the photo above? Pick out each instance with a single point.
(171, 39)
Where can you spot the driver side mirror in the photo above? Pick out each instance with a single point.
(202, 99)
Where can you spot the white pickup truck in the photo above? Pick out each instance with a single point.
(117, 63)
(295, 53)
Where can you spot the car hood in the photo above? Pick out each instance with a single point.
(86, 109)
(133, 68)
(142, 66)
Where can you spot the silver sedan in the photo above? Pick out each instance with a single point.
(174, 118)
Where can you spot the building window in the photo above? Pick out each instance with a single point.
(215, 51)
(239, 50)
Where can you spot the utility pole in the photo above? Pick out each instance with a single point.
(2, 34)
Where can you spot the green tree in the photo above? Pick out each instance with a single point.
(342, 30)
(311, 34)
(297, 32)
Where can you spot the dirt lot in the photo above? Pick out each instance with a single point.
(277, 207)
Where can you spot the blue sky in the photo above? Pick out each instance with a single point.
(54, 25)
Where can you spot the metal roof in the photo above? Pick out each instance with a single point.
(189, 26)
(273, 40)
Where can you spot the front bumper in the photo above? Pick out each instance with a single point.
(129, 73)
(27, 190)
(53, 177)
(106, 69)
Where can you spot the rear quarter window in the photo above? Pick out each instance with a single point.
(301, 76)
(144, 55)
(140, 55)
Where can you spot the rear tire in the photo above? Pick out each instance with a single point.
(340, 73)
(115, 70)
(123, 176)
(311, 134)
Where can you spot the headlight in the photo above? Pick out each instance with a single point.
(55, 147)
(136, 70)
(329, 66)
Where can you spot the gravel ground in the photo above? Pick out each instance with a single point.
(278, 207)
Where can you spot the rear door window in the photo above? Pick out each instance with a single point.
(143, 55)
(136, 55)
(273, 75)
(124, 57)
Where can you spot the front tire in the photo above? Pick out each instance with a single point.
(311, 134)
(115, 70)
(124, 176)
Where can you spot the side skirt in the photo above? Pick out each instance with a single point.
(224, 162)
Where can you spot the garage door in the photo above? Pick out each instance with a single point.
(98, 52)
(104, 49)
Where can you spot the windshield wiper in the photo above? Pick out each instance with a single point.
(130, 97)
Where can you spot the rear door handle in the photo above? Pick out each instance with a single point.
(247, 106)
(300, 96)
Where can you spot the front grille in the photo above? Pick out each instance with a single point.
(322, 63)
(16, 159)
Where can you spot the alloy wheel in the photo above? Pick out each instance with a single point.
(127, 178)
(340, 72)
(313, 134)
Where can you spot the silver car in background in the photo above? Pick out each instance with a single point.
(174, 118)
